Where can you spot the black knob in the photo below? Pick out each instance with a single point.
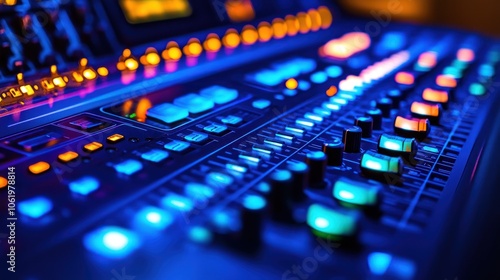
(396, 96)
(299, 179)
(316, 161)
(385, 105)
(366, 125)
(376, 116)
(352, 139)
(334, 152)
(251, 221)
(280, 195)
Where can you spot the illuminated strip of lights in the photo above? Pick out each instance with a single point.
(231, 39)
(212, 43)
(193, 48)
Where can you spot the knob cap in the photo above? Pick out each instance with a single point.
(366, 125)
(352, 139)
(376, 116)
(385, 105)
(395, 96)
(251, 221)
(334, 152)
(316, 161)
(299, 179)
(280, 195)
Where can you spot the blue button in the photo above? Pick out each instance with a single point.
(304, 85)
(266, 78)
(199, 191)
(155, 155)
(333, 71)
(215, 128)
(289, 92)
(232, 120)
(286, 70)
(84, 185)
(111, 241)
(219, 180)
(219, 94)
(194, 103)
(196, 137)
(35, 207)
(128, 167)
(167, 113)
(261, 104)
(153, 218)
(178, 202)
(254, 202)
(319, 77)
(176, 146)
(306, 65)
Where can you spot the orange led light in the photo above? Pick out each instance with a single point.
(3, 182)
(315, 19)
(331, 91)
(172, 52)
(411, 124)
(249, 35)
(78, 78)
(193, 48)
(90, 74)
(465, 55)
(292, 25)
(425, 109)
(212, 43)
(405, 78)
(39, 167)
(92, 147)
(84, 62)
(68, 156)
(27, 89)
(347, 45)
(446, 81)
(433, 95)
(427, 59)
(59, 82)
(131, 64)
(265, 31)
(239, 10)
(291, 83)
(304, 22)
(102, 71)
(231, 39)
(151, 57)
(279, 28)
(326, 17)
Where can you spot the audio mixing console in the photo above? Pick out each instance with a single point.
(237, 140)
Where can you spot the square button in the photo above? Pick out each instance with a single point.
(194, 103)
(67, 156)
(196, 137)
(219, 94)
(92, 147)
(115, 138)
(128, 167)
(155, 155)
(177, 146)
(39, 167)
(168, 113)
(261, 104)
(216, 129)
(232, 120)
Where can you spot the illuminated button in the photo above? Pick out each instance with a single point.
(111, 242)
(426, 110)
(304, 85)
(322, 112)
(284, 136)
(155, 155)
(294, 130)
(313, 117)
(167, 113)
(356, 192)
(304, 123)
(87, 124)
(67, 156)
(273, 143)
(219, 180)
(92, 147)
(319, 77)
(330, 106)
(340, 101)
(266, 78)
(219, 94)
(178, 202)
(3, 182)
(236, 167)
(152, 218)
(477, 89)
(128, 167)
(196, 137)
(198, 191)
(453, 72)
(486, 70)
(418, 128)
(42, 141)
(249, 158)
(397, 146)
(387, 266)
(333, 71)
(405, 78)
(35, 207)
(84, 185)
(261, 150)
(465, 55)
(329, 223)
(433, 150)
(177, 146)
(194, 103)
(232, 120)
(39, 167)
(216, 129)
(261, 104)
(377, 165)
(115, 138)
(446, 81)
(437, 96)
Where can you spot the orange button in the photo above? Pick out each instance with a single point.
(427, 59)
(425, 109)
(39, 167)
(68, 156)
(465, 55)
(115, 138)
(405, 78)
(3, 182)
(433, 95)
(446, 81)
(417, 125)
(92, 147)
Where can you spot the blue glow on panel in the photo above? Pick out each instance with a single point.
(316, 155)
(35, 207)
(486, 70)
(254, 202)
(199, 191)
(304, 85)
(194, 103)
(111, 242)
(237, 168)
(250, 159)
(264, 187)
(155, 155)
(267, 78)
(261, 104)
(322, 112)
(168, 113)
(313, 117)
(281, 175)
(319, 77)
(153, 218)
(331, 106)
(333, 71)
(177, 202)
(304, 122)
(289, 92)
(219, 94)
(219, 180)
(297, 166)
(200, 235)
(84, 185)
(379, 262)
(128, 167)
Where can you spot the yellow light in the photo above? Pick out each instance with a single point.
(39, 167)
(20, 78)
(126, 53)
(53, 69)
(150, 57)
(142, 107)
(279, 28)
(304, 22)
(265, 31)
(15, 93)
(141, 11)
(425, 109)
(48, 85)
(231, 39)
(239, 10)
(427, 59)
(89, 74)
(326, 17)
(212, 43)
(315, 19)
(102, 71)
(292, 25)
(193, 48)
(291, 84)
(131, 64)
(249, 35)
(9, 2)
(331, 91)
(347, 45)
(84, 62)
(59, 82)
(27, 89)
(78, 78)
(92, 147)
(172, 52)
(115, 138)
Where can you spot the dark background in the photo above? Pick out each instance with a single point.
(475, 15)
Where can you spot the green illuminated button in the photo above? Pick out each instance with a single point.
(477, 89)
(356, 192)
(373, 164)
(397, 146)
(327, 222)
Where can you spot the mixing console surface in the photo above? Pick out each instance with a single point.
(329, 155)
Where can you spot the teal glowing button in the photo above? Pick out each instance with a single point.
(297, 166)
(379, 262)
(330, 106)
(330, 223)
(199, 191)
(294, 130)
(266, 78)
(254, 202)
(391, 267)
(313, 117)
(84, 185)
(200, 235)
(284, 136)
(232, 120)
(346, 96)
(397, 146)
(290, 92)
(128, 167)
(429, 149)
(261, 104)
(155, 155)
(249, 159)
(178, 202)
(262, 150)
(219, 180)
(236, 168)
(304, 85)
(356, 192)
(35, 207)
(494, 56)
(322, 112)
(111, 242)
(377, 164)
(336, 100)
(306, 65)
(486, 70)
(319, 77)
(196, 137)
(153, 218)
(226, 221)
(177, 146)
(219, 95)
(477, 89)
(194, 103)
(167, 113)
(333, 71)
(216, 129)
(273, 143)
(452, 71)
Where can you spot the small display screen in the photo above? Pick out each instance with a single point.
(141, 11)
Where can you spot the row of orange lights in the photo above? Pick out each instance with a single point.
(303, 22)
